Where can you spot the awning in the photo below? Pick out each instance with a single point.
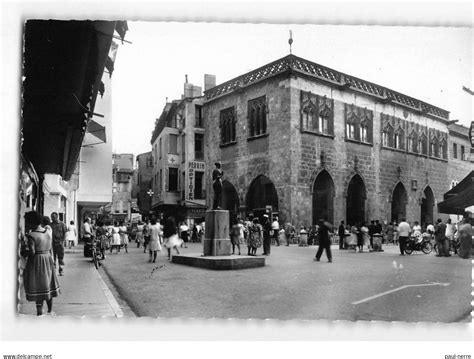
(63, 66)
(458, 198)
(97, 130)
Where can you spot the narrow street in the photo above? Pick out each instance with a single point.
(356, 286)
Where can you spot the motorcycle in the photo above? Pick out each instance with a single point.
(419, 242)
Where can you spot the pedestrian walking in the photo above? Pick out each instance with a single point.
(156, 235)
(267, 227)
(354, 237)
(465, 237)
(390, 233)
(146, 235)
(123, 231)
(39, 276)
(255, 236)
(371, 232)
(403, 231)
(115, 238)
(276, 231)
(365, 238)
(449, 234)
(288, 233)
(324, 241)
(71, 235)
(171, 239)
(86, 232)
(236, 235)
(340, 232)
(139, 235)
(59, 238)
(184, 234)
(102, 238)
(440, 238)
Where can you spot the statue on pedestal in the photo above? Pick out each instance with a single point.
(217, 175)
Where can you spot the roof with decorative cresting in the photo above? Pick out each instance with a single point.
(292, 64)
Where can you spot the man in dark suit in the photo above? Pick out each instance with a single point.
(324, 241)
(440, 238)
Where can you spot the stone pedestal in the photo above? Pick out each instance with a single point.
(217, 239)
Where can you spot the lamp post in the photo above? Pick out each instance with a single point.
(150, 193)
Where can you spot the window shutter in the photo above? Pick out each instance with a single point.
(167, 179)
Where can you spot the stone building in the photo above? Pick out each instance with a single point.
(178, 183)
(309, 142)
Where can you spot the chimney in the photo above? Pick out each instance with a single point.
(186, 79)
(188, 90)
(209, 81)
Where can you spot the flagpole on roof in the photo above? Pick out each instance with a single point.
(290, 40)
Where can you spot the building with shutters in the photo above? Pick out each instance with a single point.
(178, 181)
(304, 141)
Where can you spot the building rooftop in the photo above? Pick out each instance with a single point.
(292, 64)
(165, 119)
(460, 130)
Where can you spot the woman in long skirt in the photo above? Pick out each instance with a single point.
(39, 277)
(171, 237)
(124, 235)
(115, 238)
(139, 236)
(255, 236)
(155, 239)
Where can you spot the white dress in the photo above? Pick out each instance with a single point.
(155, 237)
(123, 235)
(115, 236)
(71, 234)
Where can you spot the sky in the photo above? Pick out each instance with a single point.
(429, 63)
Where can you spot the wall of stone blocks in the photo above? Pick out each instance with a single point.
(245, 160)
(292, 159)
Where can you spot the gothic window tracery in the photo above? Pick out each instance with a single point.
(316, 114)
(388, 136)
(228, 124)
(413, 142)
(257, 116)
(399, 139)
(358, 124)
(423, 144)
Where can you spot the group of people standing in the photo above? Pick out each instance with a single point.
(255, 234)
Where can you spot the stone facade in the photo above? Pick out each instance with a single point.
(292, 153)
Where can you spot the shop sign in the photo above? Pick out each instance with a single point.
(192, 166)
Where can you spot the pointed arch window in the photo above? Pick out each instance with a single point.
(316, 114)
(388, 136)
(309, 118)
(364, 131)
(434, 147)
(444, 149)
(399, 139)
(413, 142)
(227, 125)
(423, 144)
(324, 120)
(351, 126)
(257, 116)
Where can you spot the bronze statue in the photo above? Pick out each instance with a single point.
(217, 185)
